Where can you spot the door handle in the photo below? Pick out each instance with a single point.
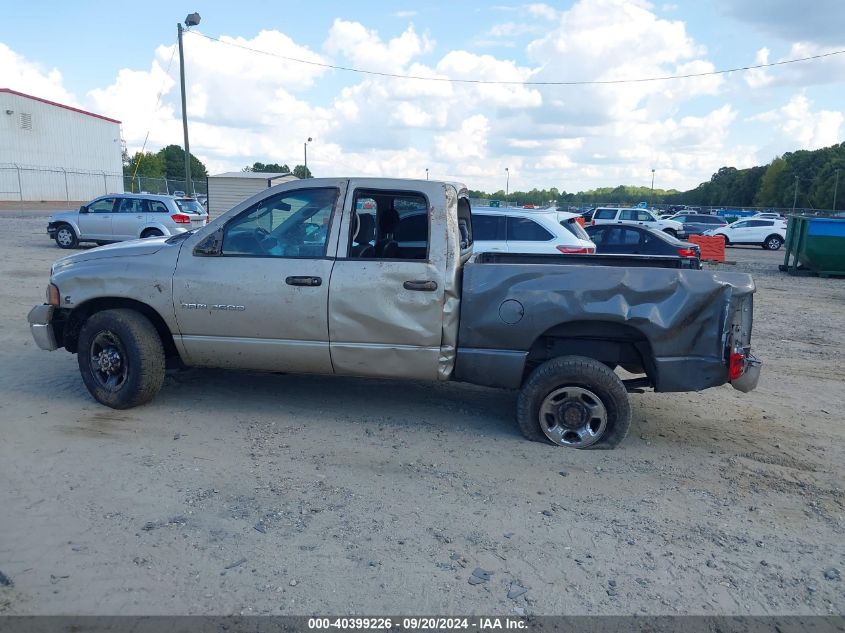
(425, 286)
(303, 281)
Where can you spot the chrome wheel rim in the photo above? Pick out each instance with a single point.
(108, 361)
(774, 244)
(64, 237)
(573, 416)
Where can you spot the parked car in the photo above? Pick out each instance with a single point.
(638, 240)
(588, 215)
(285, 282)
(637, 217)
(697, 224)
(519, 231)
(125, 216)
(768, 216)
(770, 234)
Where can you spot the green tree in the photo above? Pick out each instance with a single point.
(770, 192)
(145, 164)
(269, 167)
(300, 171)
(174, 163)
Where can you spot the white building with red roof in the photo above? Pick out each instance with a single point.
(54, 152)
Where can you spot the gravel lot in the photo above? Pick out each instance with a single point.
(249, 493)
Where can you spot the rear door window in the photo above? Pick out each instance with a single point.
(526, 230)
(488, 227)
(628, 214)
(131, 205)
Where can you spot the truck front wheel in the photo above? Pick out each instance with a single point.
(121, 358)
(576, 402)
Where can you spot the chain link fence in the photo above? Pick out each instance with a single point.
(35, 184)
(23, 183)
(166, 186)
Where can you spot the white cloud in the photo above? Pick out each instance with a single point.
(22, 75)
(365, 49)
(797, 122)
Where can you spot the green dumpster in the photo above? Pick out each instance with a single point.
(816, 244)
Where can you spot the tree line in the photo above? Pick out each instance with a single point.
(807, 177)
(168, 162)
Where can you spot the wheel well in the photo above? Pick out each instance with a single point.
(614, 344)
(78, 316)
(768, 237)
(151, 229)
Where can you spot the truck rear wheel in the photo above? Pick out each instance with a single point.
(121, 358)
(576, 402)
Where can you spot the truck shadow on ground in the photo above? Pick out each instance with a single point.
(341, 400)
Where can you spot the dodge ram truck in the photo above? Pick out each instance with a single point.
(378, 278)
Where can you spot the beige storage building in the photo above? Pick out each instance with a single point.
(227, 190)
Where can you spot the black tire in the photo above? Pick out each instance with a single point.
(671, 232)
(138, 372)
(727, 241)
(66, 237)
(773, 242)
(151, 233)
(582, 374)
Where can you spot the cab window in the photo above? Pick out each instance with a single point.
(289, 224)
(644, 216)
(389, 225)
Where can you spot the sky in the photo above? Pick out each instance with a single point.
(245, 106)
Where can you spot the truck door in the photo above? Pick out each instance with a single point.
(387, 289)
(254, 293)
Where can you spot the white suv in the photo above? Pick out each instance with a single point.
(770, 234)
(641, 217)
(527, 231)
(126, 216)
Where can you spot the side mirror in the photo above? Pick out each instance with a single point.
(83, 209)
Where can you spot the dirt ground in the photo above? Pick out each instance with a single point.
(248, 493)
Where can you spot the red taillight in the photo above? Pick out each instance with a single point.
(687, 252)
(576, 250)
(180, 218)
(736, 365)
(592, 222)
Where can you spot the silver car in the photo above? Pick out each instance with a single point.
(126, 216)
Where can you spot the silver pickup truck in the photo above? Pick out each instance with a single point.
(377, 278)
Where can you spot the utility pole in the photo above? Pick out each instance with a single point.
(835, 189)
(193, 19)
(426, 173)
(795, 197)
(507, 181)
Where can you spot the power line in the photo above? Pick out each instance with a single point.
(594, 82)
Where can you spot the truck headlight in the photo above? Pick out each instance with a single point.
(53, 295)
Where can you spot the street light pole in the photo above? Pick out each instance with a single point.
(835, 189)
(652, 186)
(191, 20)
(795, 197)
(507, 181)
(426, 173)
(305, 150)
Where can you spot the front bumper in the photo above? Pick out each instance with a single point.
(41, 325)
(750, 377)
(51, 230)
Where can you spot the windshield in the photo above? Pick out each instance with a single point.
(189, 205)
